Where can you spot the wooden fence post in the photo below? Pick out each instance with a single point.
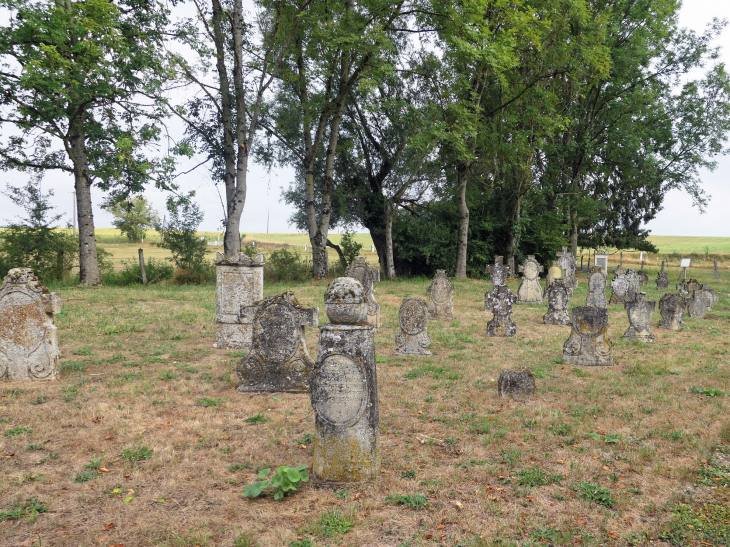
(141, 267)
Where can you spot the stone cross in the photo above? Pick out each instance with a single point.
(278, 360)
(412, 336)
(498, 272)
(671, 308)
(698, 305)
(239, 282)
(619, 289)
(441, 291)
(620, 268)
(499, 302)
(639, 312)
(345, 389)
(516, 384)
(367, 276)
(557, 295)
(567, 263)
(596, 289)
(634, 284)
(530, 289)
(28, 336)
(588, 343)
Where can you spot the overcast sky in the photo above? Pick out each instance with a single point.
(678, 216)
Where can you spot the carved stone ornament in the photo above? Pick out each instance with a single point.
(499, 302)
(639, 312)
(597, 289)
(367, 275)
(440, 306)
(412, 336)
(530, 290)
(498, 272)
(567, 263)
(28, 337)
(516, 384)
(557, 295)
(671, 308)
(619, 289)
(588, 343)
(345, 302)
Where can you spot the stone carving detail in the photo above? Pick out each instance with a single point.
(278, 360)
(710, 295)
(639, 311)
(597, 288)
(588, 343)
(688, 286)
(516, 384)
(345, 395)
(441, 291)
(567, 263)
(558, 295)
(554, 272)
(345, 302)
(412, 336)
(671, 308)
(239, 282)
(530, 289)
(619, 289)
(498, 272)
(28, 336)
(634, 285)
(698, 305)
(499, 302)
(367, 276)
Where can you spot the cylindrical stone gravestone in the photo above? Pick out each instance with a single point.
(345, 389)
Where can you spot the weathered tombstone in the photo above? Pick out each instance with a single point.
(367, 275)
(239, 282)
(554, 272)
(688, 286)
(498, 272)
(588, 343)
(597, 289)
(662, 279)
(643, 278)
(530, 289)
(600, 259)
(558, 296)
(499, 302)
(698, 305)
(710, 295)
(441, 291)
(619, 289)
(28, 336)
(412, 336)
(345, 389)
(567, 263)
(278, 359)
(671, 308)
(620, 268)
(634, 284)
(516, 384)
(639, 311)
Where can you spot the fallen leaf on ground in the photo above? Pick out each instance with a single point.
(108, 526)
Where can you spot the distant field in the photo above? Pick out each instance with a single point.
(681, 244)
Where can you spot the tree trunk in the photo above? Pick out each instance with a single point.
(514, 236)
(340, 255)
(461, 246)
(389, 265)
(574, 234)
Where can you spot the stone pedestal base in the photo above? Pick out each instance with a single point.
(233, 336)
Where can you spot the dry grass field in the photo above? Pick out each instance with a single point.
(144, 441)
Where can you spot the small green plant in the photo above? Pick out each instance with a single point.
(209, 402)
(31, 508)
(304, 542)
(597, 494)
(167, 375)
(307, 438)
(85, 476)
(284, 480)
(535, 476)
(95, 463)
(36, 446)
(257, 419)
(41, 399)
(708, 392)
(16, 431)
(245, 539)
(414, 501)
(13, 392)
(700, 524)
(410, 474)
(238, 467)
(714, 475)
(342, 494)
(136, 453)
(332, 523)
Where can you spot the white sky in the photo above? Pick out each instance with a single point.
(677, 217)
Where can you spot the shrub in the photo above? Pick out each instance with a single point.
(188, 250)
(285, 265)
(130, 274)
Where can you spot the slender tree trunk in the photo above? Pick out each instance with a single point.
(513, 241)
(389, 264)
(463, 210)
(574, 233)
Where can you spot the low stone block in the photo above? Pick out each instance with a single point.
(516, 384)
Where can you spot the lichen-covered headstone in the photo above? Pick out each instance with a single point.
(620, 268)
(278, 360)
(643, 278)
(710, 295)
(567, 263)
(28, 336)
(597, 289)
(698, 305)
(639, 311)
(499, 301)
(441, 291)
(530, 290)
(619, 289)
(662, 279)
(671, 308)
(412, 336)
(588, 343)
(558, 296)
(239, 282)
(345, 389)
(516, 384)
(634, 285)
(367, 276)
(498, 272)
(688, 286)
(554, 273)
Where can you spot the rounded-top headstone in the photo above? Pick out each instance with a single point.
(345, 302)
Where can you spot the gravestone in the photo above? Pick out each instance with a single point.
(634, 284)
(620, 268)
(710, 295)
(554, 272)
(619, 289)
(239, 282)
(558, 296)
(698, 305)
(345, 389)
(278, 359)
(28, 337)
(412, 336)
(597, 289)
(639, 311)
(671, 308)
(600, 259)
(688, 286)
(588, 343)
(530, 290)
(441, 291)
(662, 279)
(498, 272)
(367, 275)
(516, 384)
(499, 302)
(643, 278)
(567, 263)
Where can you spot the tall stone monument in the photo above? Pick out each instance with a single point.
(698, 305)
(367, 276)
(639, 311)
(345, 389)
(671, 308)
(498, 272)
(662, 279)
(28, 336)
(588, 343)
(634, 284)
(499, 301)
(239, 282)
(597, 289)
(558, 296)
(567, 263)
(441, 291)
(530, 290)
(412, 336)
(278, 359)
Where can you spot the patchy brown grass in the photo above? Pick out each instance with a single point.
(140, 373)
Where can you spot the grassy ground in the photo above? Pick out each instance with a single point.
(144, 441)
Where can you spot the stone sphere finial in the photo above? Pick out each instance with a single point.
(345, 301)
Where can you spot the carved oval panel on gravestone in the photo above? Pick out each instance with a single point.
(22, 322)
(413, 316)
(597, 283)
(440, 291)
(620, 285)
(274, 328)
(529, 270)
(638, 316)
(339, 390)
(363, 276)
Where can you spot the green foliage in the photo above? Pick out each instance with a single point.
(84, 476)
(136, 453)
(535, 476)
(133, 217)
(15, 431)
(188, 250)
(414, 501)
(307, 438)
(350, 248)
(714, 475)
(130, 274)
(700, 523)
(209, 402)
(259, 418)
(304, 542)
(707, 392)
(332, 523)
(245, 539)
(286, 265)
(31, 508)
(284, 481)
(597, 494)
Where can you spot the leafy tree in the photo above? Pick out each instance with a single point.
(133, 218)
(180, 237)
